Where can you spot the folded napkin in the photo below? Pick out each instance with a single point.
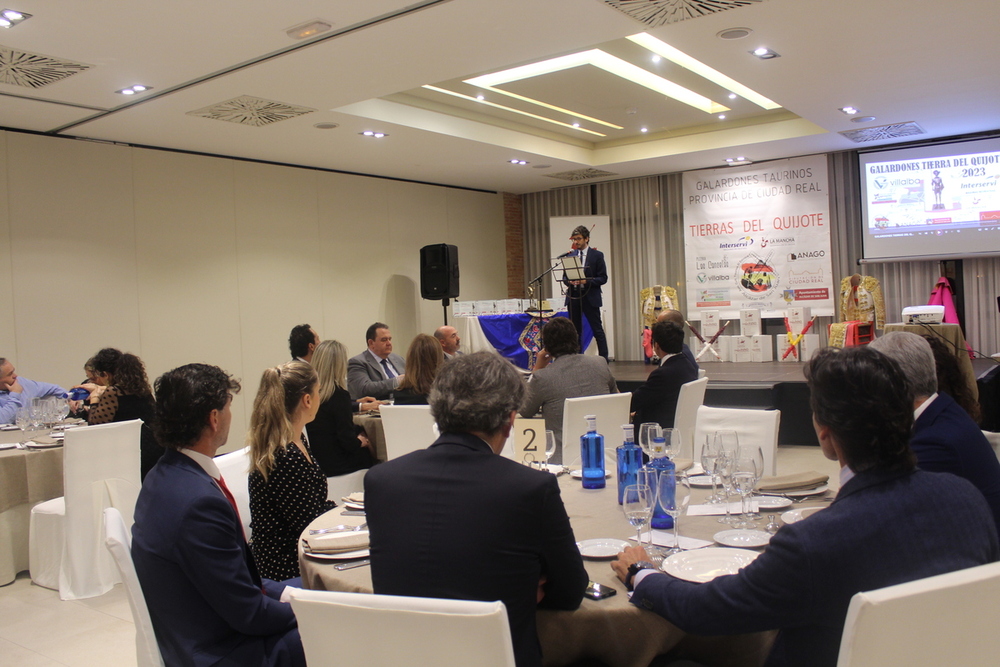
(683, 464)
(335, 543)
(801, 480)
(358, 498)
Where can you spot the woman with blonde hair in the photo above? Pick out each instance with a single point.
(287, 486)
(340, 446)
(426, 355)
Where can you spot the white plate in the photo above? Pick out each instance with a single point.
(703, 565)
(747, 539)
(31, 444)
(578, 474)
(601, 547)
(353, 506)
(346, 555)
(695, 469)
(700, 481)
(791, 516)
(802, 493)
(772, 502)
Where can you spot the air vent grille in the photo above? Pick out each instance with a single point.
(253, 111)
(894, 131)
(661, 12)
(33, 70)
(581, 174)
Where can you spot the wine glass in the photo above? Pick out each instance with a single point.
(22, 417)
(671, 442)
(757, 454)
(744, 478)
(648, 431)
(550, 445)
(725, 462)
(637, 503)
(673, 492)
(62, 410)
(709, 451)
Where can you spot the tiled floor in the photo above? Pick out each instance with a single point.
(39, 630)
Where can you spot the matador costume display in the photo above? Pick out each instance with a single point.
(653, 301)
(860, 302)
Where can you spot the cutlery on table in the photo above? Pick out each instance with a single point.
(350, 566)
(339, 529)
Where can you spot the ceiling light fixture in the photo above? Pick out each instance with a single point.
(132, 90)
(371, 133)
(326, 126)
(308, 29)
(765, 53)
(516, 161)
(553, 108)
(722, 116)
(733, 96)
(11, 17)
(733, 33)
(657, 58)
(480, 97)
(678, 57)
(576, 125)
(850, 111)
(644, 129)
(863, 119)
(737, 161)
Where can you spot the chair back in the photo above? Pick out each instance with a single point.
(118, 540)
(351, 629)
(948, 619)
(994, 440)
(235, 469)
(754, 427)
(612, 412)
(691, 397)
(407, 429)
(100, 470)
(339, 486)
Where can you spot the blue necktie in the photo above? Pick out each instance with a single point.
(390, 372)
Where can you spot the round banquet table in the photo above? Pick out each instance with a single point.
(611, 630)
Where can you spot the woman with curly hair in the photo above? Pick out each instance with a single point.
(426, 355)
(120, 392)
(287, 486)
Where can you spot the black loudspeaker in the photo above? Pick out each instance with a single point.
(439, 271)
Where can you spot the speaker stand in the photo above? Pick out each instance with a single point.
(445, 302)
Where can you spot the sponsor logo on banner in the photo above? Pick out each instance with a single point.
(806, 254)
(766, 241)
(806, 277)
(756, 277)
(744, 242)
(817, 294)
(713, 297)
(713, 278)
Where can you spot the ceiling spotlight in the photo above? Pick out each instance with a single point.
(733, 33)
(722, 116)
(517, 161)
(732, 96)
(644, 129)
(576, 125)
(656, 58)
(737, 161)
(132, 90)
(480, 97)
(308, 29)
(372, 133)
(850, 111)
(729, 159)
(765, 53)
(11, 17)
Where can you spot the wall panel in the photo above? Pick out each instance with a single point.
(8, 339)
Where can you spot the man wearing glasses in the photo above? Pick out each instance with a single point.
(583, 297)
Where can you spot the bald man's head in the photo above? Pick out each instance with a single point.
(674, 316)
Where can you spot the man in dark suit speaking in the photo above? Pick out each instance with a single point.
(456, 520)
(889, 524)
(206, 600)
(583, 297)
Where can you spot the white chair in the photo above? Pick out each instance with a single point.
(948, 619)
(339, 486)
(118, 540)
(702, 373)
(754, 427)
(994, 440)
(407, 429)
(611, 411)
(235, 469)
(66, 535)
(691, 397)
(352, 629)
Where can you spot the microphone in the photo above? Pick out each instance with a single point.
(566, 254)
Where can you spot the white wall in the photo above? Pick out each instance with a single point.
(181, 258)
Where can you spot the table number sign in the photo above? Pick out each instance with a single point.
(529, 440)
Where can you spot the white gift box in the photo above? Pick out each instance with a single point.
(709, 323)
(741, 349)
(798, 318)
(807, 347)
(750, 322)
(762, 348)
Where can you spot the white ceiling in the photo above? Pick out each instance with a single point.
(898, 61)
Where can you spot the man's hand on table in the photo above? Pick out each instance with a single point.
(368, 404)
(624, 559)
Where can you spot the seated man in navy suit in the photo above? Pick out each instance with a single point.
(944, 439)
(677, 317)
(890, 523)
(206, 600)
(656, 399)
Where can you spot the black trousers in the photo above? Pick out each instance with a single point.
(578, 309)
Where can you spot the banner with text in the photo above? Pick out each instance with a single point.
(758, 237)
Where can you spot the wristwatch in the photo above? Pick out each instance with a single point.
(635, 568)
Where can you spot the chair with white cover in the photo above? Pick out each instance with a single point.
(407, 429)
(690, 398)
(994, 440)
(948, 619)
(235, 469)
(341, 486)
(352, 629)
(612, 412)
(66, 535)
(754, 427)
(118, 540)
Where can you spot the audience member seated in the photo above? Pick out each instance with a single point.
(376, 372)
(423, 360)
(206, 600)
(456, 520)
(677, 317)
(17, 392)
(944, 437)
(339, 446)
(951, 380)
(890, 523)
(561, 372)
(302, 342)
(450, 341)
(656, 399)
(121, 392)
(287, 486)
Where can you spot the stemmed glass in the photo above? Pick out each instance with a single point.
(672, 442)
(648, 431)
(709, 451)
(637, 503)
(673, 492)
(744, 478)
(550, 445)
(725, 462)
(22, 417)
(757, 454)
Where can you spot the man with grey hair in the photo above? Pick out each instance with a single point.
(456, 520)
(17, 392)
(944, 439)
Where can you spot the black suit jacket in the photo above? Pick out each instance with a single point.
(457, 521)
(333, 437)
(656, 399)
(597, 274)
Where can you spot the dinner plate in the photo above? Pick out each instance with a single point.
(802, 493)
(353, 506)
(578, 474)
(700, 481)
(42, 445)
(791, 516)
(701, 565)
(601, 547)
(346, 555)
(772, 502)
(747, 539)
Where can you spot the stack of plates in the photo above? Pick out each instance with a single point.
(355, 501)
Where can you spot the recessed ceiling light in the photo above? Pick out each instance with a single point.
(480, 97)
(656, 58)
(576, 125)
(737, 161)
(733, 33)
(132, 90)
(517, 161)
(372, 133)
(11, 17)
(326, 126)
(765, 53)
(732, 96)
(308, 29)
(850, 111)
(722, 116)
(863, 119)
(644, 129)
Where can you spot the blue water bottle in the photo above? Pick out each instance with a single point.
(592, 455)
(629, 461)
(662, 520)
(77, 394)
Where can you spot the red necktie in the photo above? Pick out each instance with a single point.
(231, 499)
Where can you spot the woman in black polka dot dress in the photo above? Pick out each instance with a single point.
(287, 486)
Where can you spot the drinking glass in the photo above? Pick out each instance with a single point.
(725, 461)
(550, 445)
(709, 450)
(672, 442)
(744, 478)
(725, 441)
(637, 503)
(757, 454)
(22, 417)
(673, 492)
(62, 409)
(648, 431)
